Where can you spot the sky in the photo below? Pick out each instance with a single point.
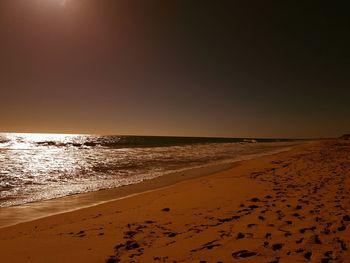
(184, 67)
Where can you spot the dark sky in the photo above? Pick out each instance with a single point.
(199, 68)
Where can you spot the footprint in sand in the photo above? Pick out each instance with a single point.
(244, 254)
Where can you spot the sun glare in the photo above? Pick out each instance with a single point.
(59, 3)
(62, 2)
(27, 140)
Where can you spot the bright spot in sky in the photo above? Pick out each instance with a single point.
(60, 3)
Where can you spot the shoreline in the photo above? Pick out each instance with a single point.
(287, 207)
(27, 212)
(71, 203)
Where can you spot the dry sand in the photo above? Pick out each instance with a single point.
(288, 207)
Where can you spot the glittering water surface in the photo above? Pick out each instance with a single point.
(37, 167)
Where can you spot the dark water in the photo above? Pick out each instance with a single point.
(121, 141)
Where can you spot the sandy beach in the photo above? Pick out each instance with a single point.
(292, 206)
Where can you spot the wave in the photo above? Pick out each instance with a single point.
(41, 167)
(116, 142)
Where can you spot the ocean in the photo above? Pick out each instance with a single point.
(36, 167)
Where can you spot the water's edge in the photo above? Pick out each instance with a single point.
(14, 215)
(37, 167)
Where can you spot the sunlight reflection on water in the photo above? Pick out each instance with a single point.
(43, 166)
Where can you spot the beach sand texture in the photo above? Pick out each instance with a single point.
(288, 207)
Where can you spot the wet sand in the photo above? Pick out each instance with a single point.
(288, 207)
(32, 211)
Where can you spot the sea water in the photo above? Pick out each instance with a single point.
(35, 167)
